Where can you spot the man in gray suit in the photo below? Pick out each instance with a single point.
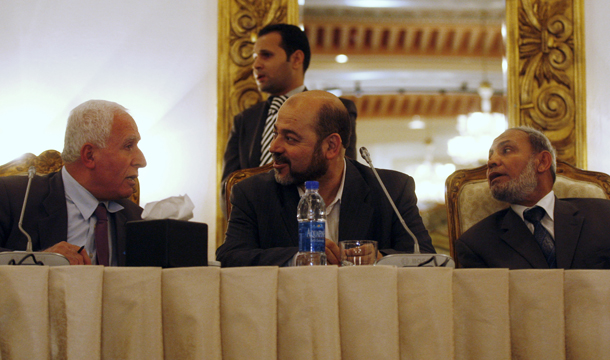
(538, 230)
(310, 139)
(101, 161)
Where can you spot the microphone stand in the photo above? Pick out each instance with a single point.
(29, 257)
(416, 259)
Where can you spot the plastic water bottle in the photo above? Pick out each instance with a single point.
(311, 215)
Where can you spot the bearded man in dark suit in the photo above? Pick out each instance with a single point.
(538, 230)
(309, 143)
(281, 58)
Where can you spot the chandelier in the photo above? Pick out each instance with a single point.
(477, 131)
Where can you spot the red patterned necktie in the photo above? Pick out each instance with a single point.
(101, 235)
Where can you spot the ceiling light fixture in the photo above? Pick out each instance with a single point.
(341, 58)
(478, 129)
(416, 123)
(376, 3)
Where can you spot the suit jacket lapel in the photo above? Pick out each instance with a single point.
(568, 224)
(356, 213)
(516, 234)
(289, 200)
(121, 236)
(255, 149)
(54, 228)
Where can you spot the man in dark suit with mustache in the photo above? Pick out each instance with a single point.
(281, 58)
(309, 142)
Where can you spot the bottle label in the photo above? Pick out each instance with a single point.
(312, 236)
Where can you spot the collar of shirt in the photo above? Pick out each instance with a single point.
(84, 201)
(296, 90)
(333, 209)
(288, 94)
(548, 221)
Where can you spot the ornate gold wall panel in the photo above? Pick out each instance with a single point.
(238, 23)
(545, 42)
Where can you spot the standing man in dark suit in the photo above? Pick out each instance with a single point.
(537, 231)
(309, 143)
(101, 161)
(281, 58)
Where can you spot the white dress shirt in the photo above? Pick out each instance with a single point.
(332, 210)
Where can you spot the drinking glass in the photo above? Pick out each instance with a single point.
(358, 252)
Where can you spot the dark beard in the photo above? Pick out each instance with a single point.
(517, 190)
(316, 169)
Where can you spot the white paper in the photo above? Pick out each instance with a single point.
(174, 207)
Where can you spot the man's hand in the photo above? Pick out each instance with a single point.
(333, 253)
(71, 252)
(362, 255)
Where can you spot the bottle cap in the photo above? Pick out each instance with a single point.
(311, 185)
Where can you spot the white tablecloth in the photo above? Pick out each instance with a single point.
(92, 312)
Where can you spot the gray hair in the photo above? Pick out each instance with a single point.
(541, 143)
(89, 122)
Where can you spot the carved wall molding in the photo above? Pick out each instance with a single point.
(238, 23)
(546, 59)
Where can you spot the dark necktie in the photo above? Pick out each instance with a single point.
(534, 215)
(101, 235)
(276, 103)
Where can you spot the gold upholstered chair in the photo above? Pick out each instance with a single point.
(47, 162)
(469, 199)
(238, 176)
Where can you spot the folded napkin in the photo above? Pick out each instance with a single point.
(191, 313)
(75, 311)
(132, 325)
(425, 312)
(174, 207)
(537, 323)
(481, 319)
(368, 312)
(24, 314)
(587, 313)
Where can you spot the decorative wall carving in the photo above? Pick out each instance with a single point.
(549, 73)
(239, 22)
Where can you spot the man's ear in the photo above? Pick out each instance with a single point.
(545, 159)
(332, 145)
(87, 155)
(296, 59)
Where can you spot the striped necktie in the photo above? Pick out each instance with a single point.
(276, 103)
(534, 216)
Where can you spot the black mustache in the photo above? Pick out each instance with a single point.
(280, 159)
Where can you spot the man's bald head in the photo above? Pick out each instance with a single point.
(330, 113)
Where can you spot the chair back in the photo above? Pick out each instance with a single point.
(469, 199)
(238, 176)
(47, 162)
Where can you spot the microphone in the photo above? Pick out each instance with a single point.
(29, 257)
(31, 173)
(406, 260)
